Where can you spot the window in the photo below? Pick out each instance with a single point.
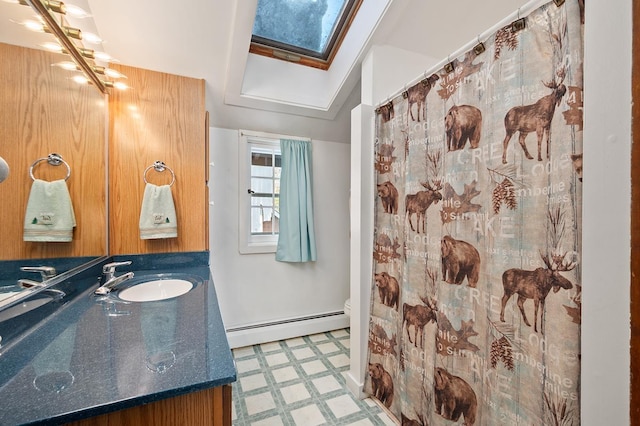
(260, 166)
(305, 31)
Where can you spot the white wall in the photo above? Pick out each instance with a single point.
(606, 220)
(362, 199)
(382, 77)
(254, 288)
(234, 117)
(606, 206)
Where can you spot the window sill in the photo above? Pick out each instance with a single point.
(258, 248)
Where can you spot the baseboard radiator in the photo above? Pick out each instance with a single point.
(271, 331)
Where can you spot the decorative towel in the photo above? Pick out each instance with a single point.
(158, 214)
(49, 215)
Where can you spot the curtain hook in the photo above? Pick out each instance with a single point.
(518, 24)
(479, 48)
(427, 79)
(405, 94)
(449, 66)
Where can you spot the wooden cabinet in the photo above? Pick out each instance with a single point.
(209, 407)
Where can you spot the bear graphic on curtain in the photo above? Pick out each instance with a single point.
(475, 306)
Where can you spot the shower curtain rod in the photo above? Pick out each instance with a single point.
(521, 11)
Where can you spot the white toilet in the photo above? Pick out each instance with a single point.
(347, 307)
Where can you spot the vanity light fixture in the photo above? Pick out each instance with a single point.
(81, 79)
(65, 45)
(40, 27)
(78, 54)
(57, 48)
(71, 66)
(52, 5)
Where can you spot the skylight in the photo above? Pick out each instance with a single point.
(304, 31)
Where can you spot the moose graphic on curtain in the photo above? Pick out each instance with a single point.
(475, 310)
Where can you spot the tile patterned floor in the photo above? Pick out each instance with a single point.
(299, 382)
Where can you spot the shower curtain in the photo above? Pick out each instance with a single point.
(475, 310)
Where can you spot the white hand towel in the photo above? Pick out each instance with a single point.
(158, 214)
(49, 215)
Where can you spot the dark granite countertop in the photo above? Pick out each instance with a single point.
(94, 355)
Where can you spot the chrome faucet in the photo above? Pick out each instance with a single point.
(110, 279)
(46, 272)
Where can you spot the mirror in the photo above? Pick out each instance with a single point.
(43, 111)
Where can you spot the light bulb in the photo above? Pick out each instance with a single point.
(120, 85)
(34, 25)
(80, 79)
(115, 84)
(105, 57)
(76, 11)
(91, 38)
(54, 47)
(113, 73)
(66, 65)
(108, 72)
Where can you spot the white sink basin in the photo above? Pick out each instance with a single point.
(159, 289)
(24, 307)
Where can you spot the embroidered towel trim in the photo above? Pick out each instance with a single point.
(49, 216)
(158, 213)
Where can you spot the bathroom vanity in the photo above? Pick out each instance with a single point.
(99, 359)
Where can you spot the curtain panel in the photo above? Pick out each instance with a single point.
(296, 239)
(476, 309)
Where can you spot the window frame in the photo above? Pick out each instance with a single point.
(248, 243)
(286, 52)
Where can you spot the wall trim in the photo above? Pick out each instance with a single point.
(355, 387)
(286, 329)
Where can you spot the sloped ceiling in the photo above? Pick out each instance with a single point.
(209, 39)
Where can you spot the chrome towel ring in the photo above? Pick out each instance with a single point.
(54, 160)
(159, 167)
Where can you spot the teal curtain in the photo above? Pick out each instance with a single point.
(296, 240)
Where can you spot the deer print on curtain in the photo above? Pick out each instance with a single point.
(475, 310)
